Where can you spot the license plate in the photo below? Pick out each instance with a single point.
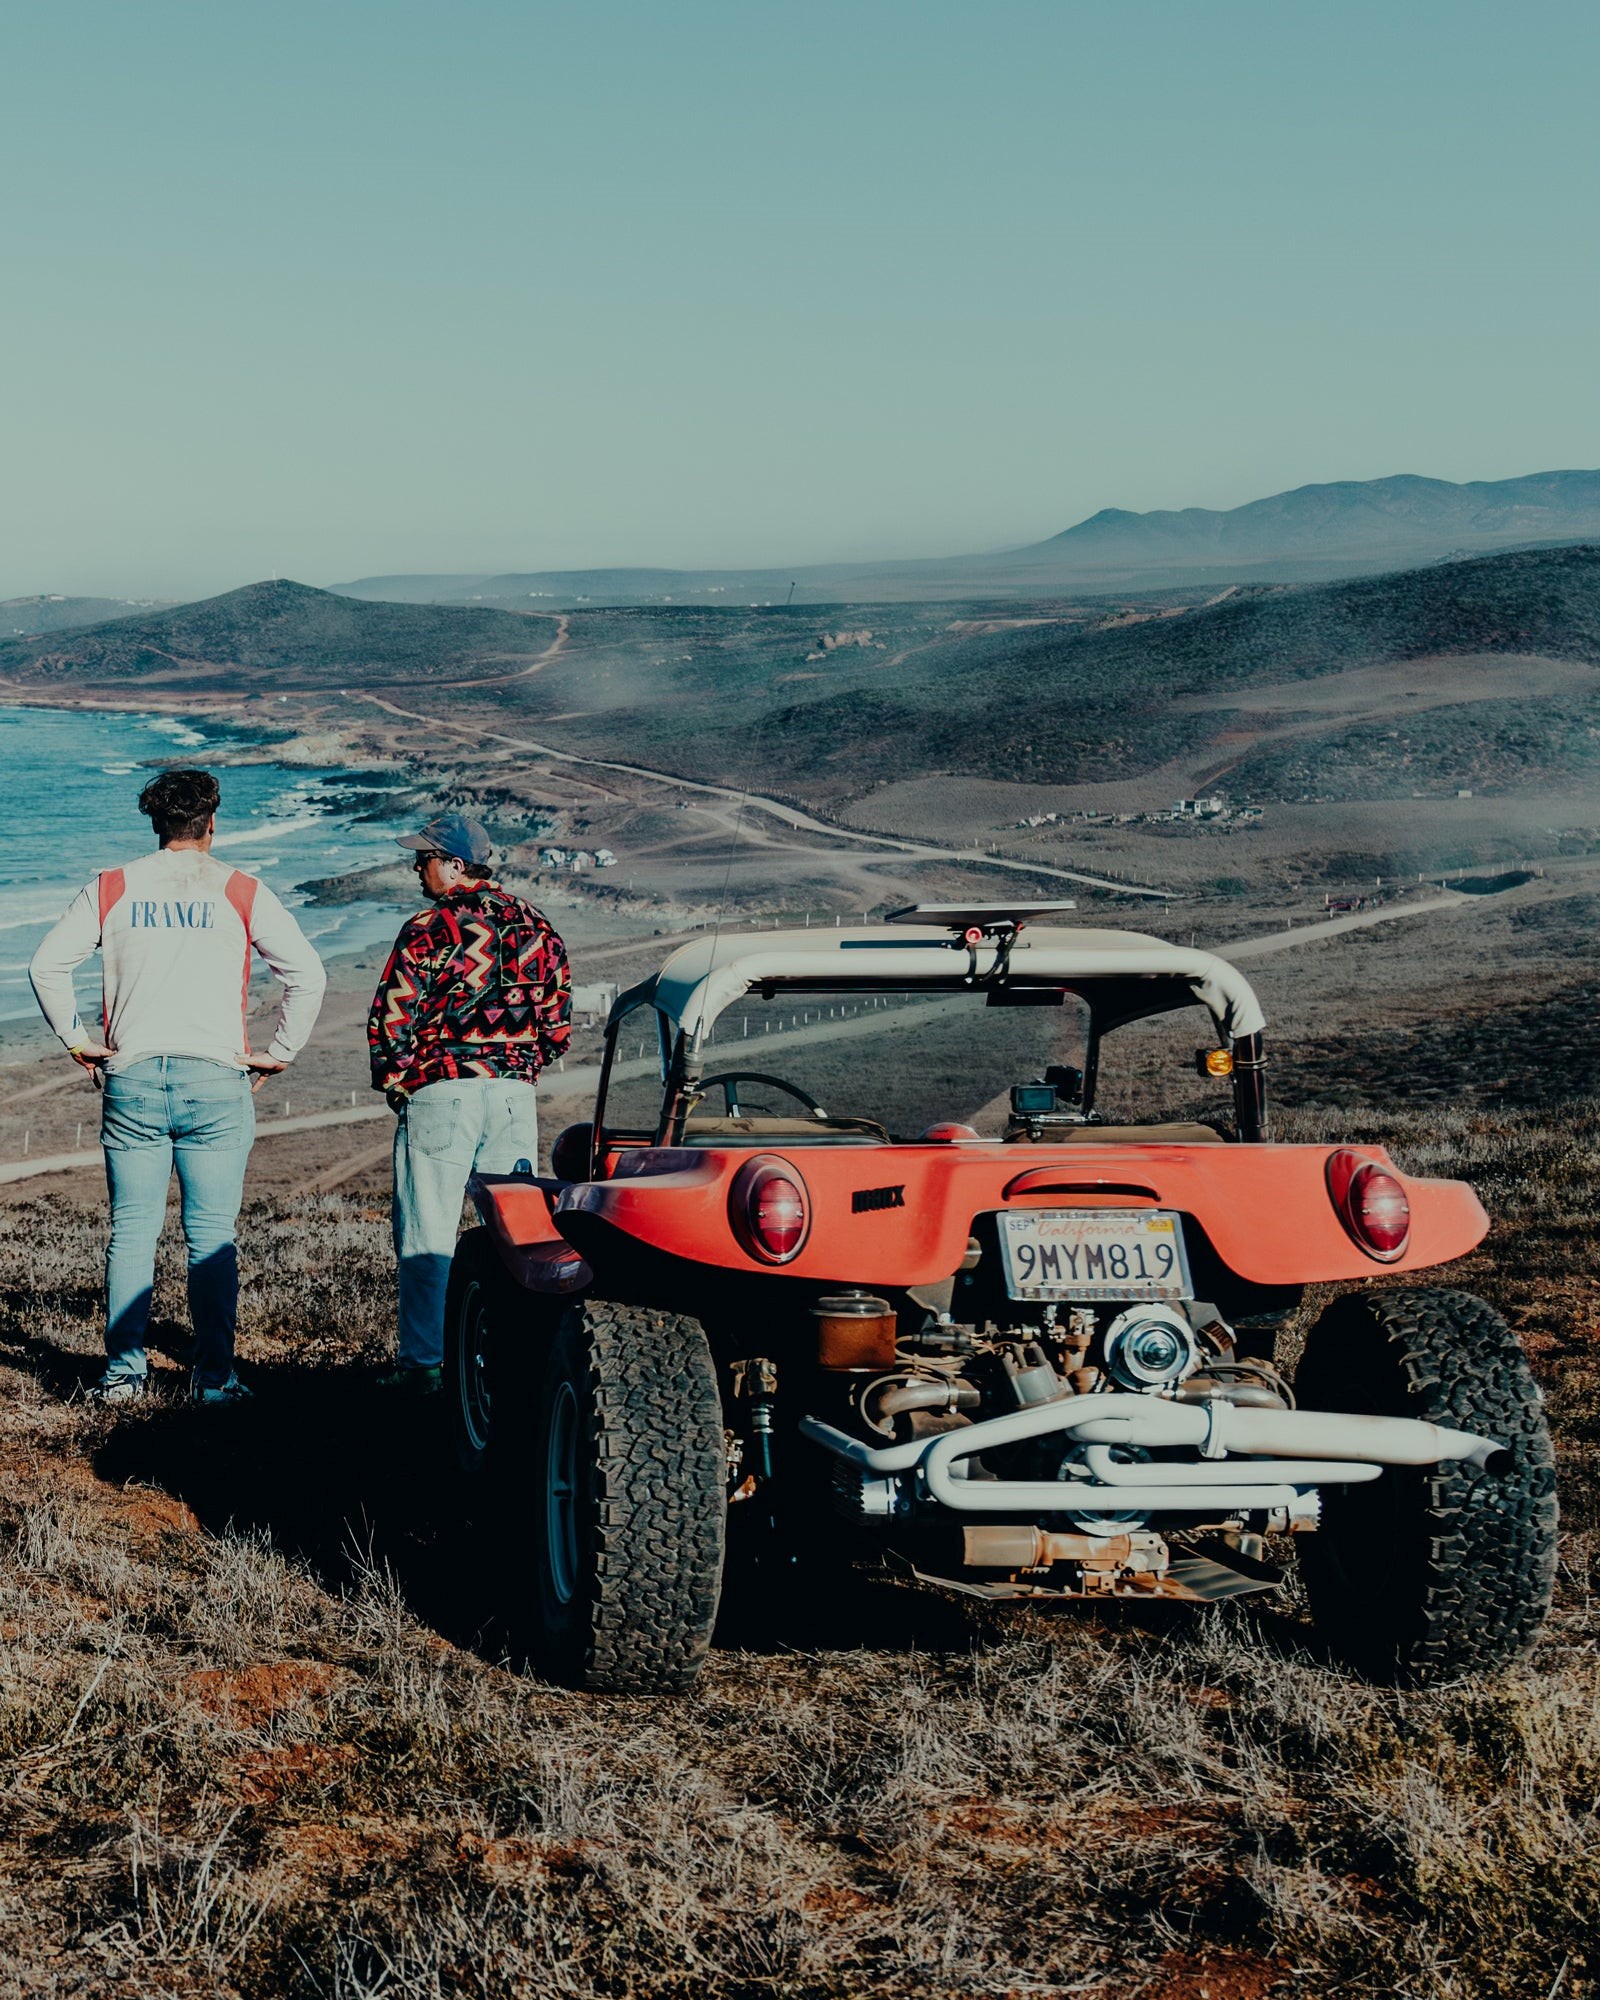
(1098, 1253)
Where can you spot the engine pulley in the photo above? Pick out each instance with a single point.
(1149, 1346)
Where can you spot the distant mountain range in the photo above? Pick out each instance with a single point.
(1370, 518)
(1312, 534)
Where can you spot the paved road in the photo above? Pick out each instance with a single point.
(557, 1084)
(579, 1082)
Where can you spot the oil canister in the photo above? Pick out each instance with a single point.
(854, 1330)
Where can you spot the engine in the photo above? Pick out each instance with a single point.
(946, 1377)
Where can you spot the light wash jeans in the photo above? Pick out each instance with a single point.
(446, 1131)
(200, 1115)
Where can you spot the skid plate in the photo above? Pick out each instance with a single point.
(1186, 1580)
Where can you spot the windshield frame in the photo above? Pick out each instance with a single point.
(669, 1046)
(1113, 1002)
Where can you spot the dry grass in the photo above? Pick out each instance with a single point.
(256, 1738)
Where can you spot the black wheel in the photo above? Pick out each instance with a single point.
(1431, 1573)
(478, 1302)
(624, 1501)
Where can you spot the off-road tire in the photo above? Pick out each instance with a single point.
(478, 1305)
(1431, 1573)
(626, 1411)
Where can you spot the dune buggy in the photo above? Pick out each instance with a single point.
(852, 1258)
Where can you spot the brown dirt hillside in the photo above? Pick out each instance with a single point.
(257, 1736)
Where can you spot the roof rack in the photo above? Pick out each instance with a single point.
(987, 919)
(973, 924)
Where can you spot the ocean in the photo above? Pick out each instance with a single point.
(69, 790)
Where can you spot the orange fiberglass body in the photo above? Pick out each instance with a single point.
(962, 1324)
(895, 1215)
(898, 1216)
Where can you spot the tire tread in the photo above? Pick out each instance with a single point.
(655, 1432)
(1475, 1580)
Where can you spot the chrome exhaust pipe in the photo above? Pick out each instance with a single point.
(1279, 1454)
(1220, 1427)
(1215, 1428)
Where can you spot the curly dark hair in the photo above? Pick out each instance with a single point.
(179, 804)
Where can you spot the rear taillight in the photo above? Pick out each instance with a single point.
(778, 1217)
(769, 1211)
(1372, 1205)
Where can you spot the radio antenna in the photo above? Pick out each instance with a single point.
(752, 764)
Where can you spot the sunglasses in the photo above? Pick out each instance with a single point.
(430, 854)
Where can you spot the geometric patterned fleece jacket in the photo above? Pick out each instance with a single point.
(477, 986)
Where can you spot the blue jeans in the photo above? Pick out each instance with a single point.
(446, 1131)
(201, 1115)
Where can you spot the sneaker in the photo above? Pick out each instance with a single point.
(404, 1380)
(231, 1391)
(117, 1388)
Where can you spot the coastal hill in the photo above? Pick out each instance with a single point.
(1075, 692)
(1497, 679)
(1311, 534)
(283, 635)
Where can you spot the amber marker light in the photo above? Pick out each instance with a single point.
(1214, 1062)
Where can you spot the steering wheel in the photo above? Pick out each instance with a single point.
(729, 1080)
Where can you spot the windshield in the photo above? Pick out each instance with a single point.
(906, 1061)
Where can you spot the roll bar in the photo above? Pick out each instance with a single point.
(682, 1068)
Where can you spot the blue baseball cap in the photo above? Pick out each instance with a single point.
(451, 833)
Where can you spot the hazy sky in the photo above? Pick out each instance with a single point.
(364, 286)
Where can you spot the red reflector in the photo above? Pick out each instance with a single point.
(1380, 1211)
(768, 1208)
(1372, 1205)
(972, 935)
(778, 1216)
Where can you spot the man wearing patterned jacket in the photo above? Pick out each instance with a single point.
(473, 1004)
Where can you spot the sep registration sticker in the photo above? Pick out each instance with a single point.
(1094, 1254)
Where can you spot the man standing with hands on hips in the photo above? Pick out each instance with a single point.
(474, 1002)
(175, 930)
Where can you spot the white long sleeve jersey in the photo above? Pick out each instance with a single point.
(175, 930)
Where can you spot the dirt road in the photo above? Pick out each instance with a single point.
(535, 665)
(1289, 940)
(755, 802)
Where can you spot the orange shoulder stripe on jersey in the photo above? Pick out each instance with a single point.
(241, 893)
(113, 883)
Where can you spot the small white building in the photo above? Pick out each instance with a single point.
(596, 1001)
